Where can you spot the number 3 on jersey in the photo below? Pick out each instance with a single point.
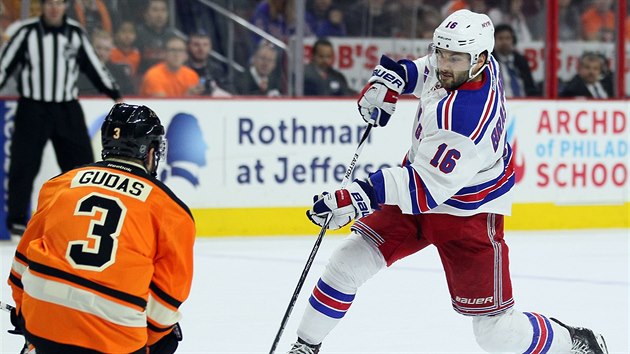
(104, 232)
(446, 164)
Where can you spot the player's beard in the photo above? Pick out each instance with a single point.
(451, 80)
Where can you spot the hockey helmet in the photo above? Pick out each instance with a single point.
(131, 131)
(465, 31)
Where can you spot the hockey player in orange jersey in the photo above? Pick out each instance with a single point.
(107, 259)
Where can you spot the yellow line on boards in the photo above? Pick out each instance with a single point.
(293, 221)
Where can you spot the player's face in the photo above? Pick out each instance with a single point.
(452, 67)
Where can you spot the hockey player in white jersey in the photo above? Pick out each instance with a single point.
(452, 191)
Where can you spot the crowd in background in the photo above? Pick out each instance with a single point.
(146, 54)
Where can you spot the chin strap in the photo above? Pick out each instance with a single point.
(470, 74)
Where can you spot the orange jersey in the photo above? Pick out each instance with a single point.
(106, 260)
(131, 58)
(160, 81)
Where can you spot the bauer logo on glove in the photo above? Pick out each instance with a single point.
(345, 205)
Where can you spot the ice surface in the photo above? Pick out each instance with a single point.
(242, 287)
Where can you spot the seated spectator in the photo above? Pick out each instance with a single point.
(515, 71)
(93, 15)
(333, 25)
(598, 21)
(262, 78)
(518, 21)
(171, 78)
(103, 44)
(212, 74)
(277, 17)
(320, 79)
(325, 19)
(125, 51)
(152, 33)
(592, 79)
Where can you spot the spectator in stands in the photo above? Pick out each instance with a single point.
(93, 15)
(125, 50)
(593, 80)
(320, 79)
(152, 34)
(171, 78)
(517, 19)
(212, 74)
(515, 71)
(598, 21)
(333, 26)
(262, 78)
(103, 44)
(325, 19)
(277, 17)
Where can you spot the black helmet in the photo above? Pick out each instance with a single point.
(131, 131)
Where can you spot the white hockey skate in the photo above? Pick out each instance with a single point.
(300, 347)
(584, 340)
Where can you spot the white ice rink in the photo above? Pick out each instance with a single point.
(243, 285)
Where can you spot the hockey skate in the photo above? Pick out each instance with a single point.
(300, 347)
(584, 340)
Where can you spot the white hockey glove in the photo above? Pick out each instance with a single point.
(382, 92)
(355, 201)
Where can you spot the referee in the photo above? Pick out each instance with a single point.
(48, 52)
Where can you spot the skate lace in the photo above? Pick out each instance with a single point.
(299, 348)
(580, 347)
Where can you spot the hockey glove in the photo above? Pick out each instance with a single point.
(382, 92)
(17, 321)
(355, 201)
(168, 344)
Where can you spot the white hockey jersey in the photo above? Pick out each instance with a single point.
(459, 162)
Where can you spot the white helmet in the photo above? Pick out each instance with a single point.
(466, 32)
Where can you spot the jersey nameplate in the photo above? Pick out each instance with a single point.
(122, 184)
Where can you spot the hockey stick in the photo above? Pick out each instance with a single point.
(6, 307)
(322, 232)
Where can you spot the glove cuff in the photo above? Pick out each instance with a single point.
(370, 192)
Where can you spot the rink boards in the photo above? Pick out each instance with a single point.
(251, 166)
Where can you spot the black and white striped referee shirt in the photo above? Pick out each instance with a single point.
(50, 59)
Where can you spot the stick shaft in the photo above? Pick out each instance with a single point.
(318, 241)
(6, 307)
